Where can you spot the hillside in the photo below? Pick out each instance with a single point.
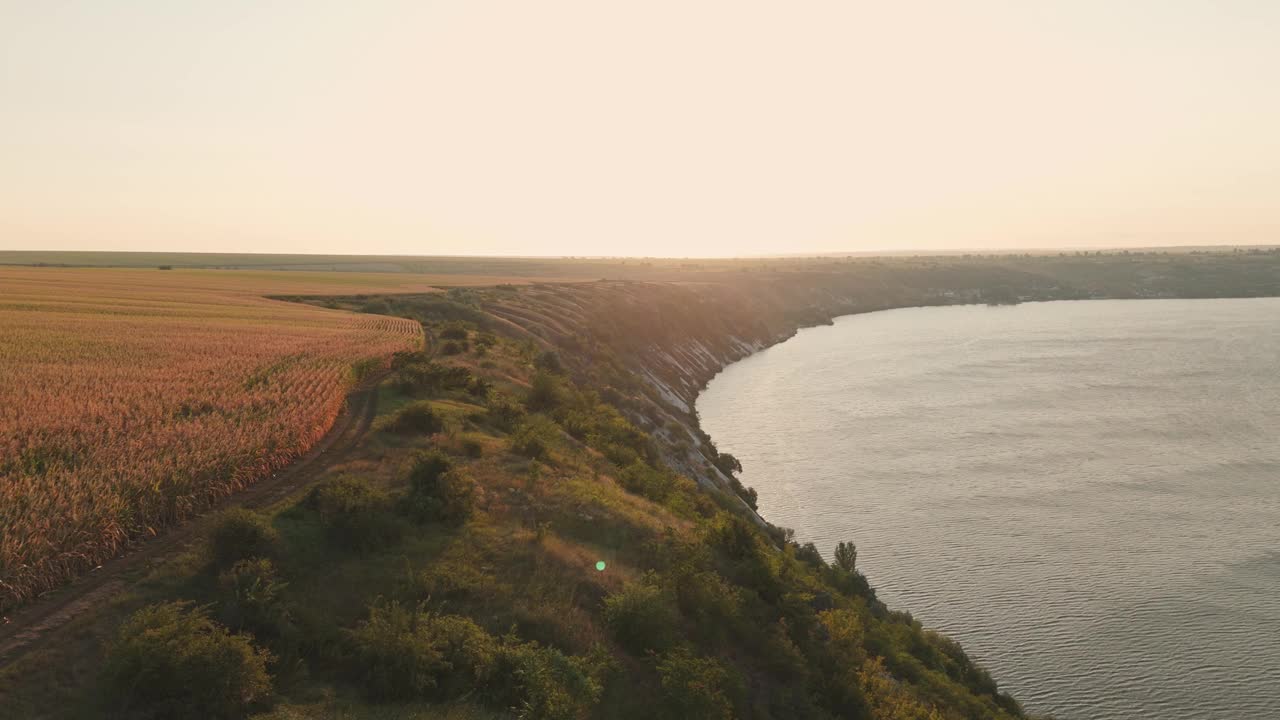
(537, 527)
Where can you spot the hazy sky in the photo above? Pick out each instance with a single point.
(642, 128)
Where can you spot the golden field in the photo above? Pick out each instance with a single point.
(131, 399)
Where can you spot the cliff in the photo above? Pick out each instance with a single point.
(658, 341)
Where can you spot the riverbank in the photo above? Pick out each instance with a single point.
(673, 337)
(1036, 482)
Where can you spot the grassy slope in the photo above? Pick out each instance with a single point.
(526, 563)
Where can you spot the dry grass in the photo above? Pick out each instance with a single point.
(130, 399)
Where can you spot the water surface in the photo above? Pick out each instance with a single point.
(1085, 494)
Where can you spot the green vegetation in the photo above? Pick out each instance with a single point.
(439, 491)
(403, 654)
(251, 599)
(240, 534)
(642, 616)
(170, 661)
(696, 688)
(450, 569)
(354, 514)
(846, 556)
(537, 528)
(416, 418)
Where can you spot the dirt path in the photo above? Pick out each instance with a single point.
(24, 629)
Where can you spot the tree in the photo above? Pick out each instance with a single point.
(545, 393)
(549, 361)
(846, 556)
(809, 555)
(728, 464)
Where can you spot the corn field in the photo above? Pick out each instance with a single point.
(130, 400)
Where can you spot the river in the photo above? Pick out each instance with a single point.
(1085, 494)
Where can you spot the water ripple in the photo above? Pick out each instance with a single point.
(1084, 494)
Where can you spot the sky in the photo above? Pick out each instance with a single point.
(683, 128)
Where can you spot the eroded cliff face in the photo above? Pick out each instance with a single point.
(655, 345)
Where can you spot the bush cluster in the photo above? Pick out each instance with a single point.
(171, 662)
(417, 418)
(503, 412)
(407, 654)
(534, 438)
(239, 534)
(642, 616)
(695, 688)
(546, 393)
(355, 515)
(419, 376)
(438, 491)
(647, 481)
(454, 331)
(251, 599)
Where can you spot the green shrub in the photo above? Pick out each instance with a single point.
(397, 654)
(809, 555)
(479, 388)
(239, 534)
(417, 418)
(534, 438)
(727, 464)
(542, 683)
(251, 598)
(427, 467)
(421, 377)
(471, 447)
(549, 361)
(404, 654)
(710, 603)
(619, 455)
(355, 514)
(748, 494)
(171, 662)
(642, 617)
(750, 564)
(843, 654)
(577, 423)
(454, 331)
(695, 688)
(438, 491)
(504, 413)
(545, 393)
(647, 481)
(453, 347)
(376, 307)
(471, 652)
(404, 358)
